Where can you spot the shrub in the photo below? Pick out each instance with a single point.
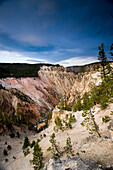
(44, 135)
(58, 123)
(111, 113)
(9, 147)
(12, 135)
(5, 152)
(26, 151)
(106, 119)
(18, 134)
(26, 143)
(83, 151)
(6, 160)
(72, 119)
(14, 157)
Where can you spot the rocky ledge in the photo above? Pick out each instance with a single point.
(71, 164)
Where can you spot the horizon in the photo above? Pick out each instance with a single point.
(61, 32)
(54, 64)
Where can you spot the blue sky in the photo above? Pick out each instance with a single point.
(66, 32)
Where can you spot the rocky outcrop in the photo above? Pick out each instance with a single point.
(71, 164)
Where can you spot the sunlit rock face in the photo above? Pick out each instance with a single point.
(82, 84)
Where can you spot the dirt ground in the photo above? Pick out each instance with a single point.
(88, 146)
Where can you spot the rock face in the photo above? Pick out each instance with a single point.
(13, 101)
(57, 78)
(45, 90)
(70, 164)
(83, 83)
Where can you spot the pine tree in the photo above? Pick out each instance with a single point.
(78, 103)
(58, 123)
(26, 143)
(54, 147)
(89, 122)
(111, 48)
(68, 147)
(102, 58)
(37, 157)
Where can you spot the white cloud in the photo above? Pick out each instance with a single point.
(15, 57)
(33, 57)
(77, 61)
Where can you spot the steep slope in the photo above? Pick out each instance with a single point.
(89, 147)
(82, 84)
(50, 85)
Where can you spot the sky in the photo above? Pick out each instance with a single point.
(65, 32)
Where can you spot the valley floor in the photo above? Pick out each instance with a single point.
(97, 149)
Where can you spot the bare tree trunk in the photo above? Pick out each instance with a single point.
(95, 125)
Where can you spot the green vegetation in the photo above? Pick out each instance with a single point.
(44, 135)
(66, 123)
(49, 117)
(61, 105)
(77, 105)
(37, 157)
(103, 59)
(20, 70)
(32, 144)
(111, 113)
(101, 94)
(54, 149)
(69, 120)
(9, 147)
(5, 152)
(59, 124)
(26, 151)
(89, 122)
(68, 147)
(6, 160)
(26, 143)
(7, 121)
(83, 151)
(14, 157)
(106, 119)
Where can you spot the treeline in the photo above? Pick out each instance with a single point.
(20, 70)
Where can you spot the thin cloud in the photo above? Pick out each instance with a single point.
(78, 61)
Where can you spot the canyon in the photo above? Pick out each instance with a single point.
(35, 96)
(38, 95)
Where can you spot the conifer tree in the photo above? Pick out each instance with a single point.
(26, 143)
(68, 147)
(54, 146)
(37, 157)
(89, 122)
(102, 58)
(111, 52)
(78, 103)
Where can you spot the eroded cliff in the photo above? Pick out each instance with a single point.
(45, 90)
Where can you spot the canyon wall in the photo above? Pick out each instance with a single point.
(45, 91)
